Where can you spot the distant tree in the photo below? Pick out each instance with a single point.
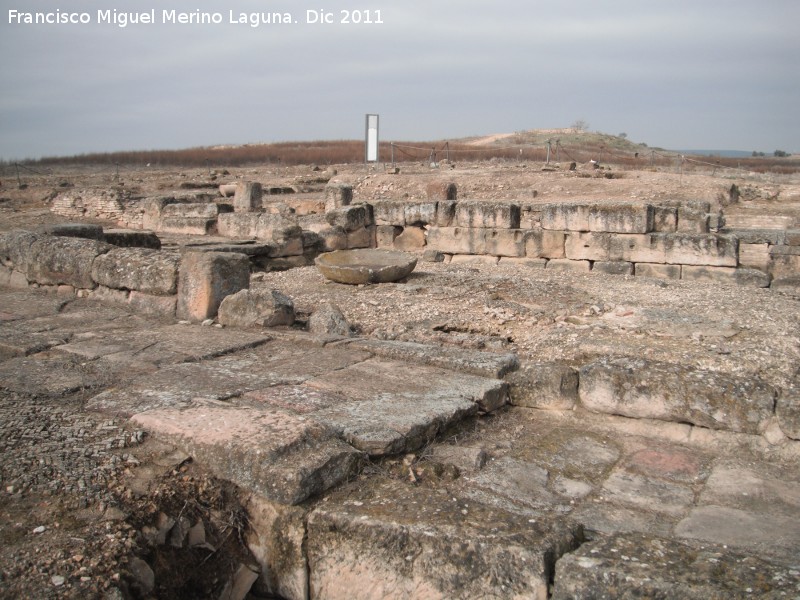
(757, 153)
(623, 135)
(780, 154)
(580, 125)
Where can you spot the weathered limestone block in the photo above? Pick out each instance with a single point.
(487, 214)
(621, 217)
(445, 213)
(587, 246)
(205, 278)
(647, 389)
(425, 547)
(530, 216)
(227, 190)
(199, 210)
(110, 296)
(564, 264)
(636, 248)
(278, 228)
(256, 308)
(658, 271)
(141, 269)
(634, 565)
(279, 455)
(331, 238)
(276, 538)
(411, 239)
(79, 230)
(248, 197)
(157, 306)
(506, 242)
(784, 265)
(693, 216)
(132, 238)
(420, 213)
(441, 190)
(565, 217)
(707, 249)
(15, 249)
(528, 263)
(389, 212)
(665, 219)
(793, 237)
(544, 385)
(386, 234)
(363, 237)
(544, 243)
(62, 260)
(187, 225)
(350, 218)
(457, 240)
(755, 256)
(613, 267)
(152, 209)
(474, 259)
(748, 277)
(338, 195)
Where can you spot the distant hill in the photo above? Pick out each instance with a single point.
(721, 153)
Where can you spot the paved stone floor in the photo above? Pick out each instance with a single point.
(405, 471)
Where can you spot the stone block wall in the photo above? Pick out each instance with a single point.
(191, 285)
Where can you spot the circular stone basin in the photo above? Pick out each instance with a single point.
(368, 265)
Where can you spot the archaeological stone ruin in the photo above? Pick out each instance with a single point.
(378, 466)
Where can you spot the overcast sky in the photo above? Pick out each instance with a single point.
(679, 74)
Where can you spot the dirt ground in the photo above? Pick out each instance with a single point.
(78, 540)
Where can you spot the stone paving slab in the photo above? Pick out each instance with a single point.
(49, 376)
(486, 364)
(633, 566)
(396, 541)
(281, 456)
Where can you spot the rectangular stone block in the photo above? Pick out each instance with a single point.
(505, 242)
(338, 195)
(564, 264)
(457, 240)
(238, 225)
(784, 266)
(693, 216)
(614, 267)
(530, 216)
(565, 217)
(544, 385)
(474, 259)
(646, 389)
(647, 248)
(700, 249)
(204, 210)
(351, 218)
(132, 238)
(445, 213)
(755, 256)
(15, 248)
(411, 239)
(665, 219)
(205, 278)
(621, 217)
(389, 212)
(420, 213)
(544, 243)
(386, 234)
(248, 197)
(141, 269)
(587, 246)
(54, 260)
(361, 238)
(730, 275)
(793, 237)
(157, 306)
(487, 215)
(658, 271)
(528, 263)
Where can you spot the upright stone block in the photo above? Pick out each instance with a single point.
(565, 217)
(665, 219)
(141, 269)
(238, 225)
(646, 248)
(248, 197)
(487, 215)
(693, 216)
(755, 256)
(420, 213)
(350, 218)
(206, 278)
(338, 195)
(386, 234)
(441, 190)
(620, 217)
